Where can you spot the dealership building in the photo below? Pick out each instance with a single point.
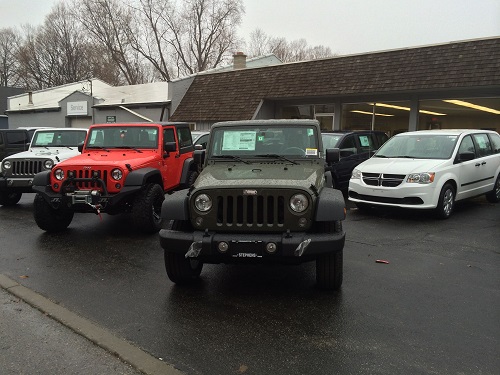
(451, 85)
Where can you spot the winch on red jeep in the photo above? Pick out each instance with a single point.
(123, 168)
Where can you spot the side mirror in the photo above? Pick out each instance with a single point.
(199, 157)
(466, 156)
(332, 155)
(80, 148)
(170, 147)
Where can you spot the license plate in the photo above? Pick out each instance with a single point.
(246, 249)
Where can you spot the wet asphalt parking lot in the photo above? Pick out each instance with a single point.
(433, 309)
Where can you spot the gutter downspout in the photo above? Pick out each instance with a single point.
(135, 113)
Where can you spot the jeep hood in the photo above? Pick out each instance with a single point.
(62, 153)
(113, 158)
(223, 175)
(399, 165)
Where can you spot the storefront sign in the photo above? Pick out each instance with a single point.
(77, 108)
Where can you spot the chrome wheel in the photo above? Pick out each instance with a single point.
(448, 202)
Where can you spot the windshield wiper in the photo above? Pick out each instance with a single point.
(232, 157)
(131, 148)
(276, 156)
(97, 147)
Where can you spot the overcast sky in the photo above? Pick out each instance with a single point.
(346, 26)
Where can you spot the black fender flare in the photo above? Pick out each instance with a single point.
(189, 165)
(140, 176)
(176, 206)
(330, 205)
(42, 179)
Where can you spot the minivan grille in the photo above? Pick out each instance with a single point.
(26, 168)
(383, 179)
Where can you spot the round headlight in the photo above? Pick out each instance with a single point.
(116, 174)
(59, 174)
(203, 203)
(299, 203)
(7, 164)
(48, 164)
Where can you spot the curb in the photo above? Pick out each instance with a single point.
(103, 338)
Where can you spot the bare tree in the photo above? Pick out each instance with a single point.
(108, 23)
(297, 50)
(9, 66)
(185, 37)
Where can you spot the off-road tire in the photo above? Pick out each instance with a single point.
(146, 210)
(494, 195)
(446, 202)
(9, 198)
(329, 267)
(182, 270)
(48, 218)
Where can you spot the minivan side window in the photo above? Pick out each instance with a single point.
(495, 142)
(467, 145)
(483, 143)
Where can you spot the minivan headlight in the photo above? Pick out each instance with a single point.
(356, 174)
(421, 178)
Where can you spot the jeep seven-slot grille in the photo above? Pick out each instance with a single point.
(26, 167)
(89, 174)
(383, 179)
(250, 210)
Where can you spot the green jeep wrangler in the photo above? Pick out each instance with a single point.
(264, 195)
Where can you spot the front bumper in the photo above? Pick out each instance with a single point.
(86, 200)
(21, 185)
(295, 247)
(406, 195)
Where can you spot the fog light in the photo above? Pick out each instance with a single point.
(198, 221)
(302, 222)
(271, 247)
(118, 186)
(223, 247)
(56, 186)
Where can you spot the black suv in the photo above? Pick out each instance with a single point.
(355, 147)
(13, 141)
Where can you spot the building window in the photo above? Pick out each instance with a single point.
(390, 117)
(461, 113)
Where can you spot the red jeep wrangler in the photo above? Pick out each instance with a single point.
(123, 168)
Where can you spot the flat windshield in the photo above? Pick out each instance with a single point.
(123, 137)
(330, 140)
(58, 138)
(249, 141)
(418, 146)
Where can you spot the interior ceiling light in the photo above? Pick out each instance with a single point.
(407, 109)
(473, 106)
(370, 113)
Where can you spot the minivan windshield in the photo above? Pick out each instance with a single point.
(418, 146)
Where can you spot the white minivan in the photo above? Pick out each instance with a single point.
(429, 170)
